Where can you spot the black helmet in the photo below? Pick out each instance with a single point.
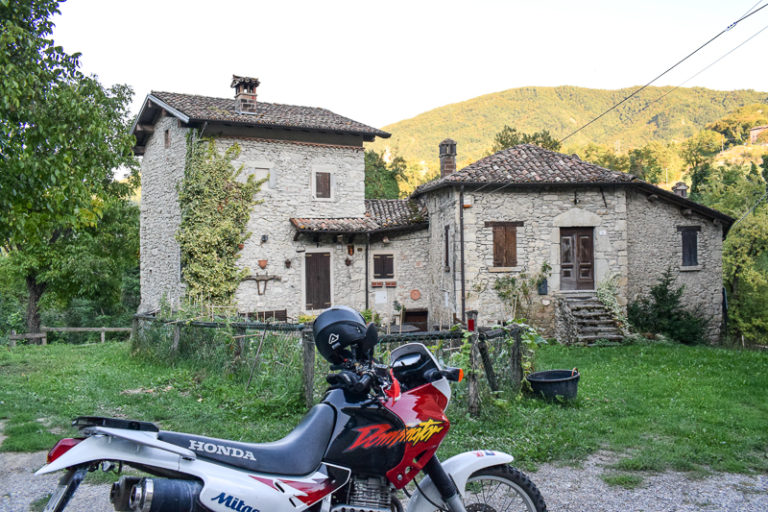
(336, 329)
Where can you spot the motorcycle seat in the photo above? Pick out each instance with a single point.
(298, 453)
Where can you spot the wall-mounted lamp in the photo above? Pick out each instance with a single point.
(385, 240)
(287, 263)
(264, 238)
(347, 262)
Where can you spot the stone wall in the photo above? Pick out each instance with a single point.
(411, 286)
(655, 243)
(445, 280)
(543, 213)
(289, 168)
(161, 170)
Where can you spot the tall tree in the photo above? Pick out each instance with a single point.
(381, 177)
(62, 134)
(698, 153)
(736, 191)
(509, 137)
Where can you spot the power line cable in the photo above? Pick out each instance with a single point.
(615, 106)
(705, 68)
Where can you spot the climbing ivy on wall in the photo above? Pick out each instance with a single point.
(215, 208)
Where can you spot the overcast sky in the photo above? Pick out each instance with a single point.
(381, 62)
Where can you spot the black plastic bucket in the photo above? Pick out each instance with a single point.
(553, 384)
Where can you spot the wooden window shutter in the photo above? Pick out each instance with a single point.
(323, 185)
(690, 247)
(499, 242)
(510, 246)
(383, 266)
(504, 244)
(389, 266)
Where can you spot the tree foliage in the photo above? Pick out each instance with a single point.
(381, 178)
(61, 133)
(735, 191)
(735, 126)
(661, 312)
(61, 137)
(509, 137)
(215, 208)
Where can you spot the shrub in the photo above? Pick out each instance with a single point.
(661, 313)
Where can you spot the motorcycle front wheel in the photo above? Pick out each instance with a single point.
(502, 489)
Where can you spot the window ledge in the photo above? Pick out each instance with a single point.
(495, 270)
(692, 268)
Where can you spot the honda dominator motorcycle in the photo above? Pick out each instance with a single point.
(376, 428)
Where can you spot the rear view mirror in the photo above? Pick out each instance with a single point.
(370, 341)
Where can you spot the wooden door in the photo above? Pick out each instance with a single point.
(318, 280)
(577, 263)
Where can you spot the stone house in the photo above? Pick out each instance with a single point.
(513, 211)
(316, 241)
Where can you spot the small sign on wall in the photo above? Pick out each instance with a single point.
(380, 297)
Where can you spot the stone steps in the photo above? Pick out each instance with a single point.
(592, 320)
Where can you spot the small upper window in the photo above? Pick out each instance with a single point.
(690, 241)
(322, 185)
(383, 266)
(504, 243)
(167, 139)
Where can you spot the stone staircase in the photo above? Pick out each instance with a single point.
(581, 318)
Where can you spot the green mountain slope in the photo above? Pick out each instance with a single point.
(473, 123)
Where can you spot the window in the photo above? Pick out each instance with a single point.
(167, 139)
(447, 263)
(690, 239)
(504, 243)
(383, 266)
(322, 185)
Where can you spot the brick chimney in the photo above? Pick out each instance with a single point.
(681, 189)
(245, 93)
(447, 157)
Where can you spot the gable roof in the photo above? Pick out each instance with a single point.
(380, 215)
(526, 166)
(191, 108)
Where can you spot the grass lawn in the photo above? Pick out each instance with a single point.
(657, 406)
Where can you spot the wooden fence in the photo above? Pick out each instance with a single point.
(43, 336)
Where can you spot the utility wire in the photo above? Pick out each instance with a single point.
(615, 106)
(706, 67)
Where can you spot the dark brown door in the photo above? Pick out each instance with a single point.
(318, 275)
(577, 263)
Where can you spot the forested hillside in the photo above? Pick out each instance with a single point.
(656, 114)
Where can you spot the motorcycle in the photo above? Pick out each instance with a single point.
(377, 427)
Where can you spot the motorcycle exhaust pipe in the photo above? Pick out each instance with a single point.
(163, 495)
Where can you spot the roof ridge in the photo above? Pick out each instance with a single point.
(233, 101)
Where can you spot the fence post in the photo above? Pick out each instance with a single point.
(12, 339)
(482, 347)
(134, 330)
(474, 395)
(103, 335)
(176, 336)
(308, 349)
(516, 358)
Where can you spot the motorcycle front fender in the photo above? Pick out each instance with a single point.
(460, 467)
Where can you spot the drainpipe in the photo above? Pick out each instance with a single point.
(367, 246)
(461, 244)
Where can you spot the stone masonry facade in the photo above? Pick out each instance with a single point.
(655, 244)
(636, 228)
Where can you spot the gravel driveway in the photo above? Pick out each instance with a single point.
(565, 489)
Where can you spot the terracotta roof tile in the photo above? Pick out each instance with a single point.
(206, 108)
(527, 164)
(380, 215)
